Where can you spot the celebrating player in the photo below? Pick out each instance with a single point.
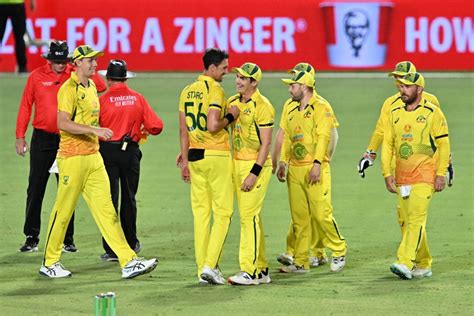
(317, 254)
(413, 133)
(82, 170)
(205, 162)
(307, 123)
(128, 115)
(251, 138)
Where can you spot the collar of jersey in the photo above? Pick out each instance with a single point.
(118, 86)
(206, 78)
(253, 97)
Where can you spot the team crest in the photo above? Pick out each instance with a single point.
(247, 111)
(405, 151)
(407, 128)
(299, 151)
(307, 114)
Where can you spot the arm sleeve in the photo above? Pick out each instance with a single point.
(26, 104)
(66, 99)
(265, 116)
(286, 144)
(387, 148)
(217, 99)
(439, 132)
(283, 117)
(152, 122)
(323, 130)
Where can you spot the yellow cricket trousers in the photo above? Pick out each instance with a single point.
(317, 246)
(211, 192)
(86, 175)
(413, 248)
(252, 251)
(307, 201)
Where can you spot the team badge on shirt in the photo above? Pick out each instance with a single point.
(421, 119)
(299, 151)
(405, 151)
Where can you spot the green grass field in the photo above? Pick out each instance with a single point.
(365, 212)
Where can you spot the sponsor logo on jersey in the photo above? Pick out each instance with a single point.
(405, 151)
(421, 119)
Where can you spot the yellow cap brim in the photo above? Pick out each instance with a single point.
(241, 71)
(289, 81)
(291, 71)
(397, 73)
(90, 55)
(409, 83)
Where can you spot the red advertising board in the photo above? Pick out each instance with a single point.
(169, 35)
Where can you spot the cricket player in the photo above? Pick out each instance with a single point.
(401, 69)
(82, 171)
(251, 138)
(317, 252)
(413, 133)
(307, 124)
(205, 161)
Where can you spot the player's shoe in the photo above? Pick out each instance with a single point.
(421, 273)
(285, 259)
(264, 277)
(313, 262)
(30, 245)
(138, 266)
(401, 270)
(338, 263)
(323, 260)
(212, 276)
(109, 257)
(69, 248)
(201, 281)
(243, 278)
(55, 271)
(293, 269)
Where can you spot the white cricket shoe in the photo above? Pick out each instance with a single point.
(212, 276)
(264, 277)
(421, 273)
(401, 270)
(285, 259)
(55, 271)
(201, 281)
(293, 269)
(138, 266)
(243, 278)
(313, 262)
(338, 263)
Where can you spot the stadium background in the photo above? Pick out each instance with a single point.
(441, 37)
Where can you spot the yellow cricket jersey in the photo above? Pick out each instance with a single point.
(82, 104)
(412, 138)
(391, 103)
(255, 114)
(194, 102)
(307, 131)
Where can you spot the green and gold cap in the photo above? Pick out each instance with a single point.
(302, 67)
(301, 77)
(414, 78)
(85, 51)
(249, 70)
(402, 68)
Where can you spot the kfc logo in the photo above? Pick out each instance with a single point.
(357, 33)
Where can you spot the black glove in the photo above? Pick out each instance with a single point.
(366, 161)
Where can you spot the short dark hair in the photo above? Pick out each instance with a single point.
(214, 56)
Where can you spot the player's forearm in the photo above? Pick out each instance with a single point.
(278, 144)
(183, 138)
(266, 138)
(444, 149)
(75, 128)
(215, 123)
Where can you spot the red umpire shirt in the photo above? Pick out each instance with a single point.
(124, 111)
(42, 89)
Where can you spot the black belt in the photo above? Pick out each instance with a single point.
(119, 144)
(195, 154)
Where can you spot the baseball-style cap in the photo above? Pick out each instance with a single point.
(402, 68)
(117, 69)
(302, 77)
(249, 70)
(412, 79)
(58, 51)
(302, 67)
(85, 51)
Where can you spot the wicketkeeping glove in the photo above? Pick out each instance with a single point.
(450, 175)
(366, 161)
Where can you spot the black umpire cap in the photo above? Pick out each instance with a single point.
(58, 51)
(117, 69)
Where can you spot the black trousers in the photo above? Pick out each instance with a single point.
(43, 150)
(17, 14)
(123, 168)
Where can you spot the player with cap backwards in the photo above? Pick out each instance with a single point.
(304, 164)
(130, 117)
(251, 138)
(206, 163)
(82, 171)
(317, 252)
(41, 91)
(413, 132)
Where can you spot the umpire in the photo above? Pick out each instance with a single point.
(131, 118)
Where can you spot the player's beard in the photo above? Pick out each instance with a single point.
(297, 96)
(409, 99)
